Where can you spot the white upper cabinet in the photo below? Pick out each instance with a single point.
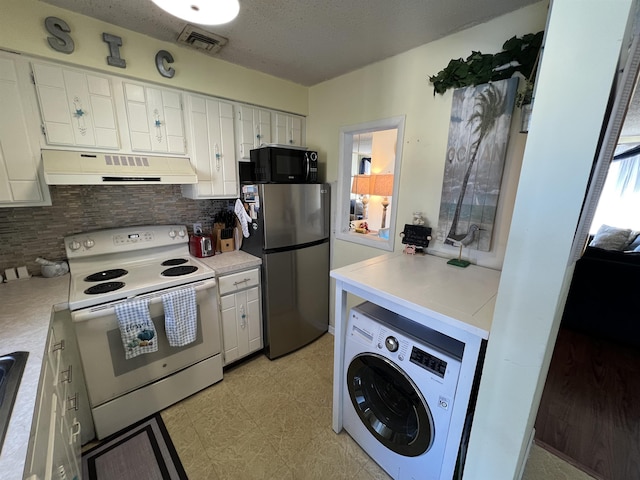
(288, 129)
(212, 152)
(253, 129)
(76, 107)
(154, 117)
(21, 182)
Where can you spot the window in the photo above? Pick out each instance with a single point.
(370, 156)
(619, 201)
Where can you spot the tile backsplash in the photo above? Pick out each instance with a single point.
(30, 232)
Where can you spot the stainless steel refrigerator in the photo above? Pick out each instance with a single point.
(290, 233)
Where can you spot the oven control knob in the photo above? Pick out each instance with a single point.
(88, 243)
(74, 245)
(172, 233)
(391, 343)
(181, 233)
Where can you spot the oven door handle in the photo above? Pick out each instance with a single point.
(154, 298)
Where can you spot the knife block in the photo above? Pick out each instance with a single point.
(223, 244)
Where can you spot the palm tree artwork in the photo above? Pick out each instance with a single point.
(477, 144)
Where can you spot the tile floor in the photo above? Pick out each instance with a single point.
(272, 420)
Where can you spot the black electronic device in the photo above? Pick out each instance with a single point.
(417, 235)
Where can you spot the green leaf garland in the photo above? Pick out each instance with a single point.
(519, 54)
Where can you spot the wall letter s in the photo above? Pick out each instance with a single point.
(61, 40)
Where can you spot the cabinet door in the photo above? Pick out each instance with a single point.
(287, 129)
(154, 119)
(254, 320)
(76, 107)
(39, 458)
(253, 129)
(69, 379)
(67, 457)
(241, 324)
(229, 328)
(212, 148)
(20, 180)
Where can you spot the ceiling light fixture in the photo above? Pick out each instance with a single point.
(203, 12)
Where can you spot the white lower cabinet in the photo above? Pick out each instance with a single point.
(62, 420)
(241, 314)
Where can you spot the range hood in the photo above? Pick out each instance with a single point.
(62, 167)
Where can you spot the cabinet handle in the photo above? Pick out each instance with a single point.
(72, 402)
(157, 123)
(217, 154)
(243, 321)
(76, 429)
(66, 375)
(58, 346)
(235, 284)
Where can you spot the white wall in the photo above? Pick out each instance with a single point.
(22, 30)
(577, 65)
(400, 86)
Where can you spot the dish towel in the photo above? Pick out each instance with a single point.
(243, 217)
(136, 328)
(180, 316)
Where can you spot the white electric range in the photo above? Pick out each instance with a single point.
(119, 265)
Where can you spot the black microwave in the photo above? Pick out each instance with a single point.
(283, 164)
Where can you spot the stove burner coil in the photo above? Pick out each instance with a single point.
(104, 288)
(177, 271)
(106, 275)
(174, 261)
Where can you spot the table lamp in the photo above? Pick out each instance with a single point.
(360, 186)
(382, 185)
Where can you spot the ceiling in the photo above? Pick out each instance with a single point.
(309, 41)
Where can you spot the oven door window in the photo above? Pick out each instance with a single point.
(390, 405)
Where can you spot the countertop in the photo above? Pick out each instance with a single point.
(461, 297)
(25, 315)
(231, 262)
(26, 308)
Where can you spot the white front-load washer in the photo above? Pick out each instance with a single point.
(401, 379)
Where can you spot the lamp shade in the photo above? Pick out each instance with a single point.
(382, 184)
(361, 184)
(203, 12)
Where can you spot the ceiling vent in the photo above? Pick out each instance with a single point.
(202, 40)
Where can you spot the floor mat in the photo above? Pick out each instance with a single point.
(143, 451)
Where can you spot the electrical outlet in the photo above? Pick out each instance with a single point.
(197, 228)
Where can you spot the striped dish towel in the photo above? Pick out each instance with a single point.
(136, 327)
(180, 316)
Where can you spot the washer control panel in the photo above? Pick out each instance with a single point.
(428, 362)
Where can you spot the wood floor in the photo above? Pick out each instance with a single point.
(590, 409)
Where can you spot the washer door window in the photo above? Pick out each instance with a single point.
(390, 405)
